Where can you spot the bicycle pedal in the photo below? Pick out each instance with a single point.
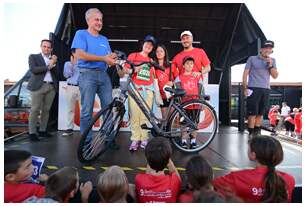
(144, 126)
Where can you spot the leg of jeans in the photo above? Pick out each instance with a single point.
(36, 100)
(143, 118)
(88, 88)
(104, 91)
(46, 105)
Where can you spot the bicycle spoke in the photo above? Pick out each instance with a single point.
(200, 123)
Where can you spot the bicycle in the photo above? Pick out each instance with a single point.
(195, 115)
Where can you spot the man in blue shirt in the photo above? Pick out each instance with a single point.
(94, 56)
(71, 72)
(258, 70)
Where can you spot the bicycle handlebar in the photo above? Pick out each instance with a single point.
(154, 64)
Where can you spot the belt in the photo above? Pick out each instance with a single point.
(48, 82)
(75, 85)
(91, 69)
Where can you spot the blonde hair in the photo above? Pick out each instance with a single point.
(113, 185)
(90, 11)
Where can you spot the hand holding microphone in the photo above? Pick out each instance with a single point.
(53, 60)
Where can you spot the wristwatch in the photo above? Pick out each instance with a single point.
(270, 67)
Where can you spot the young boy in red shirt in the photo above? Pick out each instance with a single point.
(264, 183)
(18, 169)
(155, 185)
(191, 84)
(274, 116)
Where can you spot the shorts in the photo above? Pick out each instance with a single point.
(166, 103)
(258, 102)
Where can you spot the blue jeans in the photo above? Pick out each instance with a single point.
(92, 81)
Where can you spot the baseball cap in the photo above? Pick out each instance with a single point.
(186, 58)
(150, 38)
(267, 43)
(186, 33)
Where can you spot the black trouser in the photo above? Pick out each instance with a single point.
(289, 126)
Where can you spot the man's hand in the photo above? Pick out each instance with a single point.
(53, 61)
(269, 61)
(110, 59)
(85, 189)
(245, 92)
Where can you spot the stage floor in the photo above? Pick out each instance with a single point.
(227, 152)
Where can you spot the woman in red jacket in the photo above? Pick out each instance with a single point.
(264, 183)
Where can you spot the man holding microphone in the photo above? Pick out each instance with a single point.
(256, 84)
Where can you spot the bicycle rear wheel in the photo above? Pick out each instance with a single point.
(91, 148)
(201, 127)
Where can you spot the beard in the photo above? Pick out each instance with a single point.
(186, 45)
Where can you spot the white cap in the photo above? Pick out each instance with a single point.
(186, 33)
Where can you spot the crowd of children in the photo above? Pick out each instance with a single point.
(292, 121)
(261, 184)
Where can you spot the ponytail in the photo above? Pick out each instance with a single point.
(275, 187)
(269, 152)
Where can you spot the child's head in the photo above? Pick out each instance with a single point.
(158, 152)
(269, 152)
(113, 185)
(199, 173)
(17, 165)
(266, 150)
(188, 63)
(63, 184)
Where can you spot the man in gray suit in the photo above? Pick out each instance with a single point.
(43, 85)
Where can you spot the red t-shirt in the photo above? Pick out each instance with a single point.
(190, 84)
(186, 197)
(298, 122)
(145, 76)
(163, 78)
(152, 188)
(272, 117)
(20, 192)
(249, 184)
(200, 60)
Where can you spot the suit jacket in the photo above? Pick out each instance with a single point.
(38, 70)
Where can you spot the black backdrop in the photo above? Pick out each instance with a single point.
(227, 32)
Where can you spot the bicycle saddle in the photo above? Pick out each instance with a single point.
(176, 92)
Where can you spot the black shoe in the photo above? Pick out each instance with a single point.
(34, 137)
(112, 145)
(184, 145)
(44, 134)
(193, 145)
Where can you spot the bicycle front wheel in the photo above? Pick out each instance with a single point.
(195, 131)
(92, 144)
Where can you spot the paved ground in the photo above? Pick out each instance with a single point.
(226, 153)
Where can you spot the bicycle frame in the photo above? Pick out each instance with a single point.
(144, 107)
